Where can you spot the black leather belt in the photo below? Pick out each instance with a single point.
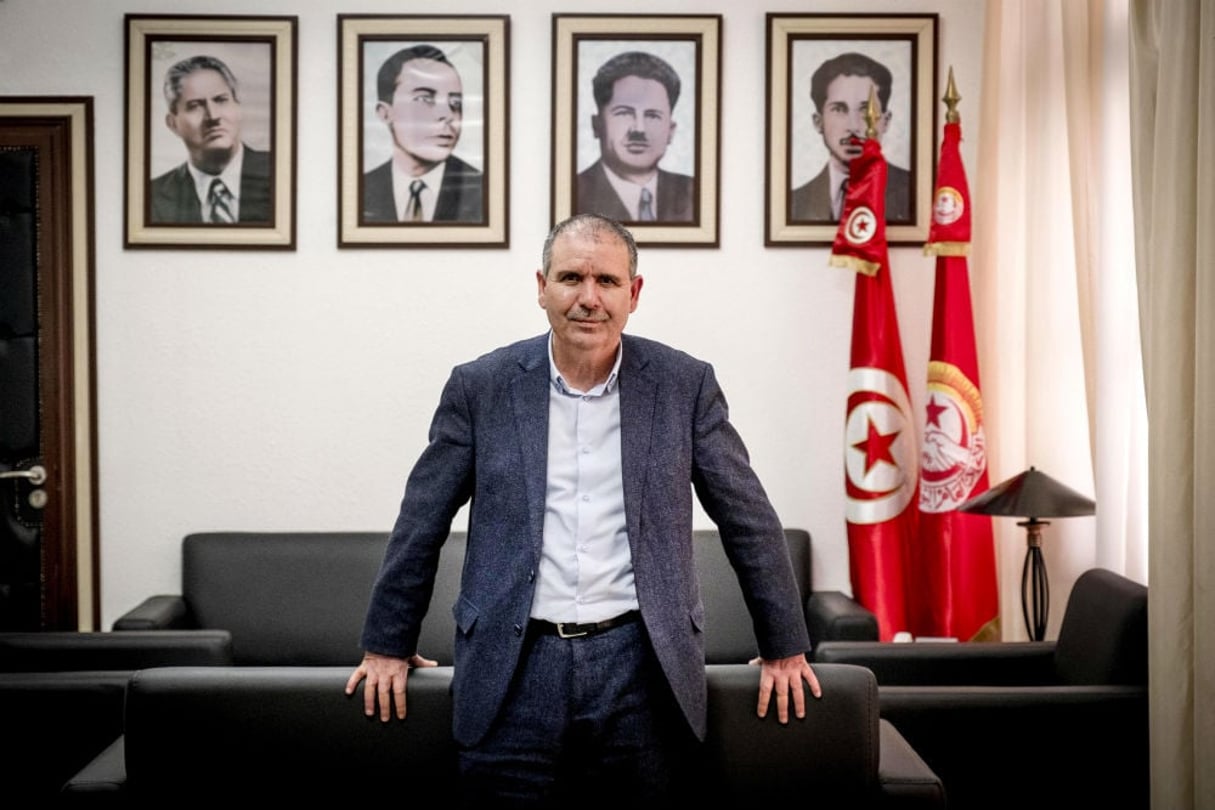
(575, 630)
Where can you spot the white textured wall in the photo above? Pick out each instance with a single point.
(292, 390)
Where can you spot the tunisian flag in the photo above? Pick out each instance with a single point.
(952, 562)
(880, 446)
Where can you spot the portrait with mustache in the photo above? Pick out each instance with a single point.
(635, 93)
(223, 181)
(840, 88)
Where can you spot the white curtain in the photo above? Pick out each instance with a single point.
(1055, 294)
(1173, 95)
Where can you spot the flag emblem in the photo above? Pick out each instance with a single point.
(954, 454)
(880, 462)
(861, 225)
(948, 206)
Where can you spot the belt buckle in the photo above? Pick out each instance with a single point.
(563, 634)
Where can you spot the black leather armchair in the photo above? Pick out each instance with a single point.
(1025, 723)
(61, 697)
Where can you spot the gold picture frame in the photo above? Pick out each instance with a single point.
(253, 60)
(467, 157)
(804, 52)
(683, 186)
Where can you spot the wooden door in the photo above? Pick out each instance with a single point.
(48, 503)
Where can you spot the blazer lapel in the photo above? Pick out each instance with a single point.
(638, 396)
(529, 398)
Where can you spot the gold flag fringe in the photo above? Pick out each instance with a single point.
(855, 263)
(947, 249)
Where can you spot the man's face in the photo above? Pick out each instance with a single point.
(426, 113)
(207, 119)
(588, 294)
(634, 128)
(843, 117)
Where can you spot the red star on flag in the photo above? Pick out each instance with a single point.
(876, 447)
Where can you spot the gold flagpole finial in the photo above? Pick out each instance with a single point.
(871, 114)
(951, 99)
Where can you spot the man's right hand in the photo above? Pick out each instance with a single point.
(386, 677)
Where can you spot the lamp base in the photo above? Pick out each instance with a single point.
(1035, 589)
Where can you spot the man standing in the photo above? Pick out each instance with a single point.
(579, 654)
(421, 100)
(224, 181)
(840, 90)
(634, 95)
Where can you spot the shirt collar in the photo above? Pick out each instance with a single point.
(400, 189)
(230, 175)
(630, 192)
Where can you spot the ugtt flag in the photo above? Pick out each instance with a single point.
(880, 446)
(952, 561)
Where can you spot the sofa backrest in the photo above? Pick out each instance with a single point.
(284, 733)
(300, 598)
(288, 598)
(290, 732)
(829, 759)
(729, 633)
(1103, 637)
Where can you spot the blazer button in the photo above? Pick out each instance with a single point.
(531, 575)
(518, 629)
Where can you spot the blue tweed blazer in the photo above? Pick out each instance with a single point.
(488, 443)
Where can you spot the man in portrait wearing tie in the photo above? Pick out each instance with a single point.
(421, 101)
(634, 95)
(224, 181)
(840, 90)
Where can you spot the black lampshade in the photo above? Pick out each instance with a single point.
(1032, 494)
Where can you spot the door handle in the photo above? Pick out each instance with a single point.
(35, 474)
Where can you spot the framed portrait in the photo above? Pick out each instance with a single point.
(821, 71)
(423, 105)
(636, 123)
(210, 132)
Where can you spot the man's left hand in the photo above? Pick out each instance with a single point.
(784, 676)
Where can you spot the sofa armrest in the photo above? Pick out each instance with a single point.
(164, 612)
(106, 774)
(1015, 663)
(69, 650)
(835, 615)
(904, 776)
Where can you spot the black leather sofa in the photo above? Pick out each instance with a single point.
(62, 693)
(299, 598)
(285, 734)
(1026, 724)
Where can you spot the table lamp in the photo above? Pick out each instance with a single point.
(1032, 495)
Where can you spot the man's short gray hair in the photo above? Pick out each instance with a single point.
(594, 225)
(178, 73)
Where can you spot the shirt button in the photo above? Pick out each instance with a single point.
(586, 497)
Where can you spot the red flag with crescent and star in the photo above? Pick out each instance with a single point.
(880, 450)
(952, 560)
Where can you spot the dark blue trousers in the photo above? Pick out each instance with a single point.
(587, 722)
